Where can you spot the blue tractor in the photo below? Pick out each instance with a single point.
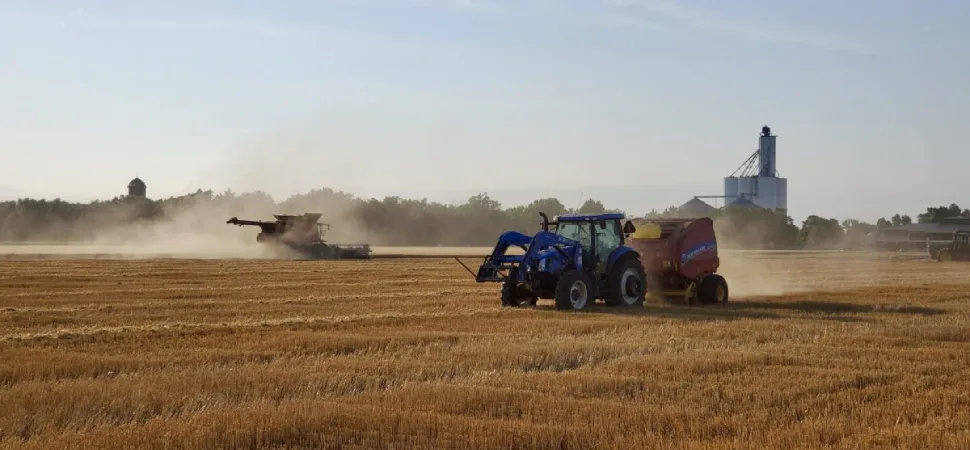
(574, 260)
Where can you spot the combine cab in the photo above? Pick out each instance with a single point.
(304, 236)
(958, 250)
(680, 259)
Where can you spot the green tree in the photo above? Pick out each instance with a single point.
(592, 207)
(856, 233)
(819, 232)
(937, 214)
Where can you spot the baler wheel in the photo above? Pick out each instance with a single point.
(713, 290)
(573, 290)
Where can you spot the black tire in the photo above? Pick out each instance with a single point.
(713, 290)
(565, 290)
(514, 295)
(626, 285)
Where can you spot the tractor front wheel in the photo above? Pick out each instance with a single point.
(627, 284)
(573, 290)
(514, 294)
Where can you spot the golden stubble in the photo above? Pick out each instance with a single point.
(815, 350)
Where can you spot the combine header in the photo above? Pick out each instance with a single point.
(304, 235)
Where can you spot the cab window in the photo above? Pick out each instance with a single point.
(577, 231)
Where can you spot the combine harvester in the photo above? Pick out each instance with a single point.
(303, 235)
(586, 258)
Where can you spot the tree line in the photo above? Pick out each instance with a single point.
(396, 221)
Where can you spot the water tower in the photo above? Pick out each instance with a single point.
(137, 188)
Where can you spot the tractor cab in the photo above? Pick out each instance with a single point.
(961, 239)
(599, 236)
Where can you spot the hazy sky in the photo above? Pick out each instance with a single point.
(642, 103)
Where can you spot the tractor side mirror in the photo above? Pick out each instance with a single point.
(628, 227)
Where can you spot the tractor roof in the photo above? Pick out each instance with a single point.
(591, 217)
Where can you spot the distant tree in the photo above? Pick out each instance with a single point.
(937, 214)
(400, 221)
(819, 232)
(592, 207)
(855, 233)
(754, 228)
(526, 217)
(899, 220)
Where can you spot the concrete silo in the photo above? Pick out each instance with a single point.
(757, 179)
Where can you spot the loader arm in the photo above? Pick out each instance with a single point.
(491, 268)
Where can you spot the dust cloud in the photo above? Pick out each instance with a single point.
(190, 228)
(767, 272)
(776, 273)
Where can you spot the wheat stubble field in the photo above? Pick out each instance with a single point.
(815, 351)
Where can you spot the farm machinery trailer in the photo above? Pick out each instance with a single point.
(586, 257)
(681, 260)
(303, 235)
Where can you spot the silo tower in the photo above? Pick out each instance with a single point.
(758, 180)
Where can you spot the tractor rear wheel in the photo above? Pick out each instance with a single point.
(573, 290)
(626, 284)
(713, 290)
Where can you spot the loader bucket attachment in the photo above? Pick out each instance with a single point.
(493, 265)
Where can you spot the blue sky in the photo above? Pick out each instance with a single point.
(641, 103)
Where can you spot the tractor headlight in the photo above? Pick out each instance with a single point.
(543, 263)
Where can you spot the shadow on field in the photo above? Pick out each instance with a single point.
(728, 312)
(760, 309)
(810, 306)
(731, 311)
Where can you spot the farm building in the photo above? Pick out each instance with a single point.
(697, 207)
(916, 236)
